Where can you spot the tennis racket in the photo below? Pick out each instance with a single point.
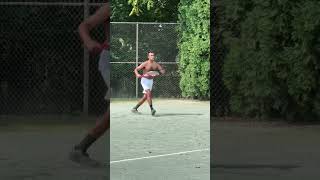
(151, 74)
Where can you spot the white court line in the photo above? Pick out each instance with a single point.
(162, 155)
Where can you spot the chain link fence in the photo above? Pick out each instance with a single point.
(130, 43)
(44, 68)
(220, 95)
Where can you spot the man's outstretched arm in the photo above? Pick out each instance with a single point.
(160, 68)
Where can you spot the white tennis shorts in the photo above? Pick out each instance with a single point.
(104, 68)
(146, 84)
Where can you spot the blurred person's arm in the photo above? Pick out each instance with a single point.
(100, 16)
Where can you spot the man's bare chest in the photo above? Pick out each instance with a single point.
(150, 67)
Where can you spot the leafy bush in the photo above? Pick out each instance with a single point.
(272, 60)
(194, 48)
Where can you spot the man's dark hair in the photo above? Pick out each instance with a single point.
(151, 52)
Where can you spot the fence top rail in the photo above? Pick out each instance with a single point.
(173, 23)
(35, 3)
(116, 62)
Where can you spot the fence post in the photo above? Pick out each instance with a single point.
(137, 56)
(85, 66)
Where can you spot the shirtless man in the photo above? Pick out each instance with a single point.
(102, 16)
(147, 80)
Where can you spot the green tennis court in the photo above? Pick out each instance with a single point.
(173, 145)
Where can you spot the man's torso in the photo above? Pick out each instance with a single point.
(150, 66)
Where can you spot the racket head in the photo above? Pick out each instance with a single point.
(153, 73)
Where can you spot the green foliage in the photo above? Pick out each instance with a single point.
(194, 48)
(136, 6)
(145, 10)
(272, 62)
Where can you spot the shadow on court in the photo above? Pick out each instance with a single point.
(255, 166)
(177, 114)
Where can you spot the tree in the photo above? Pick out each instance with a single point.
(145, 10)
(272, 60)
(194, 48)
(137, 3)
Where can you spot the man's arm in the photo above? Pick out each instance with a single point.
(100, 16)
(138, 69)
(160, 68)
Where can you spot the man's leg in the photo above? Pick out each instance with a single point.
(80, 150)
(141, 101)
(101, 126)
(149, 99)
